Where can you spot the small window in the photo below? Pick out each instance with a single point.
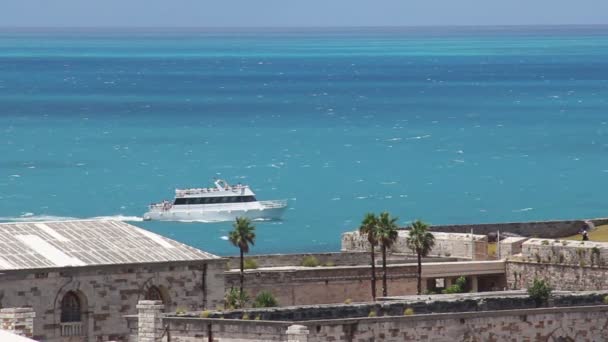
(70, 308)
(153, 293)
(179, 201)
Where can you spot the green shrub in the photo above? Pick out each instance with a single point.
(310, 261)
(205, 314)
(329, 264)
(458, 287)
(606, 299)
(250, 264)
(235, 299)
(348, 301)
(544, 243)
(180, 311)
(265, 299)
(245, 316)
(372, 313)
(408, 312)
(258, 317)
(540, 291)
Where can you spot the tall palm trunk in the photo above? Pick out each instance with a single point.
(242, 271)
(384, 286)
(373, 274)
(419, 273)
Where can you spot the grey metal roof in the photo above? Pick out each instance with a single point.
(27, 245)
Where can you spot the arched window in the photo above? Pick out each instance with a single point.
(154, 293)
(70, 308)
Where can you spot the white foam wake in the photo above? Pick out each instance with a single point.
(522, 210)
(119, 218)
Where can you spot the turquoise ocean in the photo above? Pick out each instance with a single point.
(449, 125)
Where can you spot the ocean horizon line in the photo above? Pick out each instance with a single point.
(303, 28)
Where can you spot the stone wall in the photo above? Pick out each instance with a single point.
(19, 321)
(572, 324)
(547, 229)
(567, 321)
(446, 245)
(279, 260)
(318, 285)
(510, 246)
(107, 293)
(566, 265)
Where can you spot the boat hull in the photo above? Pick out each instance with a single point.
(206, 215)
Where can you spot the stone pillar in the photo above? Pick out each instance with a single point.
(19, 321)
(474, 284)
(149, 320)
(297, 333)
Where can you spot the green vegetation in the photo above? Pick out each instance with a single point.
(458, 287)
(491, 249)
(599, 234)
(387, 235)
(329, 264)
(369, 228)
(348, 301)
(180, 311)
(540, 291)
(421, 242)
(242, 235)
(258, 317)
(236, 299)
(544, 242)
(245, 316)
(606, 299)
(372, 313)
(250, 264)
(408, 312)
(205, 314)
(310, 261)
(265, 299)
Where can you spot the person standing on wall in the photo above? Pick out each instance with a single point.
(585, 235)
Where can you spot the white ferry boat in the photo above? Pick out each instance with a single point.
(220, 203)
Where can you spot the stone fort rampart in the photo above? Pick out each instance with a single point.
(546, 229)
(573, 317)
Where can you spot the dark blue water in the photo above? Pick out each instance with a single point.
(449, 125)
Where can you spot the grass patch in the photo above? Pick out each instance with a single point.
(492, 249)
(599, 234)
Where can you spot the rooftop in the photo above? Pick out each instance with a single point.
(31, 245)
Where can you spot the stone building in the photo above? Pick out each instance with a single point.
(82, 277)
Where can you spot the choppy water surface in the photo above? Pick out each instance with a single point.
(447, 125)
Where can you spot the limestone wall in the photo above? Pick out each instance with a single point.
(109, 292)
(566, 265)
(510, 246)
(278, 260)
(572, 324)
(468, 319)
(446, 245)
(318, 285)
(548, 229)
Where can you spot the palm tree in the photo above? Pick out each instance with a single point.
(420, 241)
(387, 235)
(369, 227)
(242, 235)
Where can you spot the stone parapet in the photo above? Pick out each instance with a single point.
(150, 320)
(18, 320)
(454, 245)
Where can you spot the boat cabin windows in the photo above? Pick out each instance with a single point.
(213, 200)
